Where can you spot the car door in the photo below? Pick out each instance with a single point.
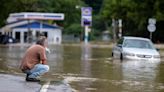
(117, 50)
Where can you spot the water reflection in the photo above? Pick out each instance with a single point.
(86, 66)
(140, 70)
(55, 59)
(138, 75)
(10, 58)
(85, 62)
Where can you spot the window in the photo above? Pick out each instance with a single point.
(17, 36)
(25, 36)
(120, 41)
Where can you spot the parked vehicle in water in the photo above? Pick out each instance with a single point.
(5, 39)
(135, 48)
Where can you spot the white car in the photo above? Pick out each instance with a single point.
(135, 48)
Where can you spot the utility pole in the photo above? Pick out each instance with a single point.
(120, 28)
(114, 29)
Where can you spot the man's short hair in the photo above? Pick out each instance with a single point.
(41, 40)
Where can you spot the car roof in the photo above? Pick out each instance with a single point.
(131, 37)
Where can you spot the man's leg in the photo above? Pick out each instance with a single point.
(27, 72)
(38, 70)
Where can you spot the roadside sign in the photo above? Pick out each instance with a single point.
(151, 28)
(86, 11)
(86, 16)
(86, 21)
(152, 21)
(35, 16)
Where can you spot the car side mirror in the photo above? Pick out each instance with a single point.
(157, 49)
(119, 45)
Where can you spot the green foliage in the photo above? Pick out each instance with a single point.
(96, 5)
(159, 8)
(58, 6)
(75, 29)
(134, 13)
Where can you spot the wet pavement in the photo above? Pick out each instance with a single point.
(13, 83)
(81, 69)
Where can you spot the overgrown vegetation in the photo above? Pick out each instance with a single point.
(134, 13)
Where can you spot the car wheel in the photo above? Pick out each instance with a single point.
(112, 54)
(121, 57)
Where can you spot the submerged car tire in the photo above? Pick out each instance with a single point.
(112, 54)
(121, 57)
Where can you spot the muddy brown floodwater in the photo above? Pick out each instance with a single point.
(91, 69)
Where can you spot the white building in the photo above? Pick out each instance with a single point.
(19, 30)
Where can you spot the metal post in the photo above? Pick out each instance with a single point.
(151, 35)
(86, 35)
(120, 28)
(114, 29)
(151, 26)
(41, 27)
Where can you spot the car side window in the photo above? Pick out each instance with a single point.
(120, 42)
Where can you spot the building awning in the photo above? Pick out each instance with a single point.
(33, 24)
(37, 24)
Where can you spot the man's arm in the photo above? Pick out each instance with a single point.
(43, 57)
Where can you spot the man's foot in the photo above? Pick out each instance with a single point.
(32, 79)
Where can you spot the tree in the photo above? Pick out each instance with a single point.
(96, 5)
(134, 13)
(75, 29)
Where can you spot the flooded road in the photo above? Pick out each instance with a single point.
(90, 69)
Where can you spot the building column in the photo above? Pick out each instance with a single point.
(13, 34)
(10, 33)
(21, 37)
(34, 33)
(33, 36)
